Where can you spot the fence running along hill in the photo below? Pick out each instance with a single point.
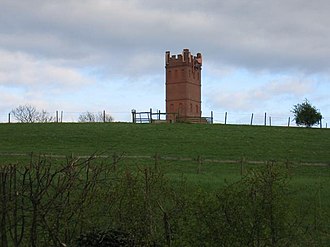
(157, 158)
(262, 119)
(224, 118)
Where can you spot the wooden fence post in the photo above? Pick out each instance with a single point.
(225, 117)
(133, 116)
(242, 161)
(115, 159)
(251, 119)
(270, 121)
(265, 119)
(287, 164)
(104, 116)
(211, 117)
(200, 162)
(289, 122)
(56, 116)
(9, 117)
(157, 159)
(61, 116)
(150, 119)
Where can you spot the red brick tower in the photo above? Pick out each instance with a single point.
(183, 86)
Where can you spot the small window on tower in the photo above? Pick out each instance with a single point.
(169, 74)
(191, 108)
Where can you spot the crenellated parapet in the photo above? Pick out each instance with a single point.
(184, 59)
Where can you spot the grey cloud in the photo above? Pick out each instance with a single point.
(257, 35)
(19, 69)
(277, 90)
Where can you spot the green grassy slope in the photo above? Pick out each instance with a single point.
(184, 140)
(223, 142)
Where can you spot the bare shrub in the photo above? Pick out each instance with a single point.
(45, 203)
(90, 117)
(30, 114)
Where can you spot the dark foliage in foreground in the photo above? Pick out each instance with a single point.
(55, 203)
(108, 238)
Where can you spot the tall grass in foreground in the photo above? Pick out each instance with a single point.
(85, 202)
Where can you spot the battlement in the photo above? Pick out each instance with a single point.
(183, 59)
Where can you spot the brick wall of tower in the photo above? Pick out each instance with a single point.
(183, 85)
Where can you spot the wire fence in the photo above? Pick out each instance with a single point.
(266, 119)
(71, 117)
(260, 119)
(156, 158)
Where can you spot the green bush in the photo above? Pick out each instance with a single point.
(258, 210)
(55, 203)
(306, 114)
(113, 238)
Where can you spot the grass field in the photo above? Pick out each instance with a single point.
(222, 142)
(183, 140)
(305, 152)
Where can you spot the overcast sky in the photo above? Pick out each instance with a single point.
(93, 55)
